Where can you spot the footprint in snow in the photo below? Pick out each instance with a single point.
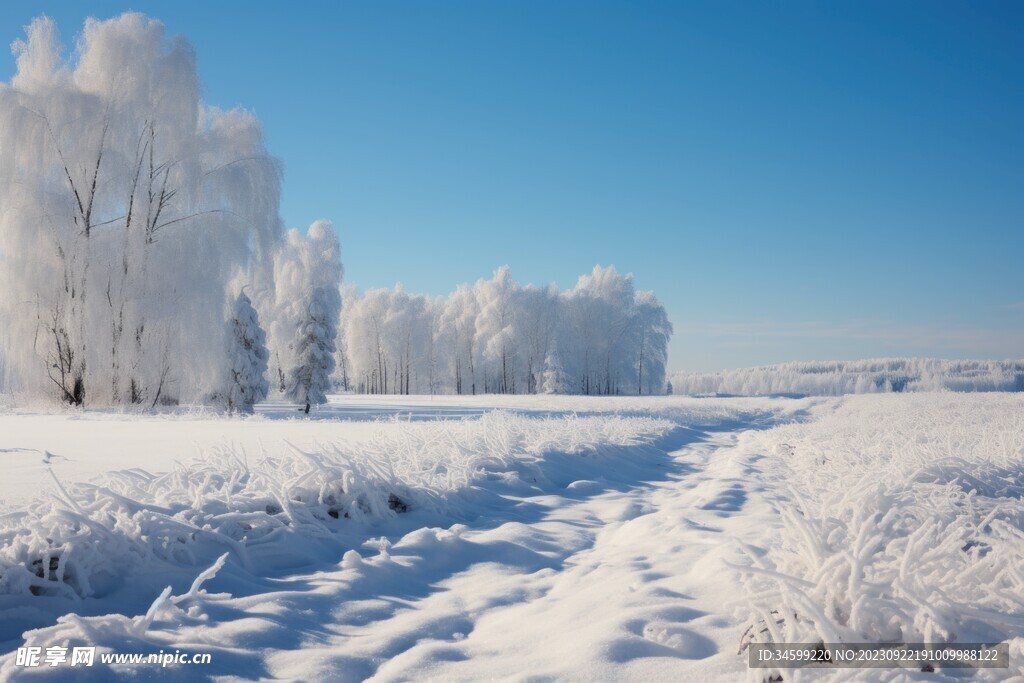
(686, 642)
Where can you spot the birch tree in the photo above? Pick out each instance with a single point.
(128, 206)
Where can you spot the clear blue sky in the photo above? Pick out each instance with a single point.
(796, 180)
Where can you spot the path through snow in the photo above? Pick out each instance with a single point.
(627, 584)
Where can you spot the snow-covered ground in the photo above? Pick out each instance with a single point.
(568, 538)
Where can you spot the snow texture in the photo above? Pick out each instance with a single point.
(901, 520)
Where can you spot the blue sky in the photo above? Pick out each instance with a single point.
(796, 180)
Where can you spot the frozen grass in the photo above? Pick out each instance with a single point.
(86, 444)
(264, 508)
(902, 520)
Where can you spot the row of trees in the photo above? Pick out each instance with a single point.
(498, 336)
(244, 381)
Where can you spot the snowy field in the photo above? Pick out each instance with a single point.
(522, 538)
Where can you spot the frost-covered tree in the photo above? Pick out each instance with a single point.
(553, 381)
(245, 377)
(455, 334)
(310, 377)
(649, 339)
(365, 332)
(389, 336)
(342, 379)
(128, 206)
(302, 263)
(599, 311)
(496, 331)
(536, 314)
(409, 332)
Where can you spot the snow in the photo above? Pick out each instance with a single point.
(512, 537)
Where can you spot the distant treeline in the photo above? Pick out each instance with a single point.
(499, 336)
(834, 378)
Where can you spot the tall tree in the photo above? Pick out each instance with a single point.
(310, 378)
(128, 207)
(245, 375)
